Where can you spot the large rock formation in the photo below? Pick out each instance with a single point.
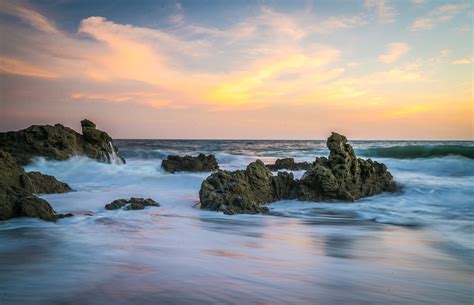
(132, 204)
(59, 143)
(17, 188)
(201, 163)
(289, 164)
(341, 177)
(244, 191)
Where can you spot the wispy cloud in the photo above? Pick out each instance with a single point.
(15, 66)
(438, 15)
(36, 20)
(383, 8)
(394, 52)
(464, 61)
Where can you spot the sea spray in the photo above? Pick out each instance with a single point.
(113, 157)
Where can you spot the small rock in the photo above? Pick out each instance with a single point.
(131, 204)
(201, 163)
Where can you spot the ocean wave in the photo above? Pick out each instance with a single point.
(419, 151)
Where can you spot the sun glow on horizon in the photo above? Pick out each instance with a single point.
(397, 70)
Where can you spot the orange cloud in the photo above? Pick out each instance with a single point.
(14, 66)
(395, 50)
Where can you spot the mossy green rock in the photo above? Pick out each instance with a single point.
(59, 143)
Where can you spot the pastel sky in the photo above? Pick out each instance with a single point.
(373, 69)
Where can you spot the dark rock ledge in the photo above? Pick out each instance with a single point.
(342, 176)
(59, 143)
(131, 204)
(17, 188)
(289, 164)
(201, 163)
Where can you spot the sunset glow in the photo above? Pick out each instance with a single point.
(269, 70)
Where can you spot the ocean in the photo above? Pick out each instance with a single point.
(411, 247)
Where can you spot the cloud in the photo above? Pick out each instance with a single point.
(464, 61)
(14, 66)
(332, 24)
(29, 16)
(394, 52)
(440, 14)
(445, 53)
(385, 11)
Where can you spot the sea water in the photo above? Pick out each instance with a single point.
(411, 247)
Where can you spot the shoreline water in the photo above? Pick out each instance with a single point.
(413, 247)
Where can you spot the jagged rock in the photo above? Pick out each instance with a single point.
(16, 188)
(289, 164)
(244, 191)
(201, 163)
(131, 204)
(59, 143)
(341, 177)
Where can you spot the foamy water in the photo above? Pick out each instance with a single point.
(413, 247)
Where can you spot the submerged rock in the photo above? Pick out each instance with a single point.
(341, 177)
(17, 188)
(59, 143)
(289, 164)
(131, 204)
(201, 163)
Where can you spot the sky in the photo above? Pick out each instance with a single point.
(373, 69)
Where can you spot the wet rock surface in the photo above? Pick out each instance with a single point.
(342, 176)
(17, 188)
(245, 191)
(289, 164)
(59, 143)
(131, 204)
(201, 163)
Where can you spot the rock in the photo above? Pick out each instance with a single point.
(343, 176)
(340, 177)
(32, 206)
(245, 191)
(17, 188)
(36, 182)
(289, 164)
(59, 143)
(131, 204)
(201, 163)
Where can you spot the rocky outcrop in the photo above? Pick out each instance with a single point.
(340, 177)
(343, 176)
(59, 143)
(17, 188)
(38, 183)
(245, 191)
(201, 163)
(289, 164)
(131, 204)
